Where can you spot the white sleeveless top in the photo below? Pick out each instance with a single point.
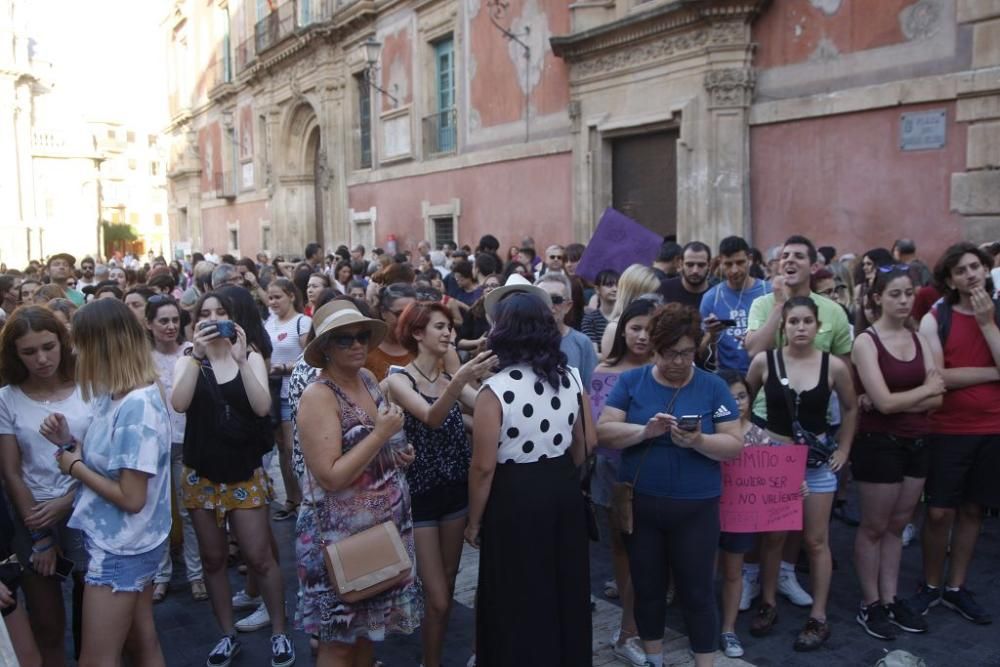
(537, 419)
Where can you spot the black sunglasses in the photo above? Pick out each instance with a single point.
(557, 300)
(345, 341)
(556, 256)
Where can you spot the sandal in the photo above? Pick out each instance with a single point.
(159, 592)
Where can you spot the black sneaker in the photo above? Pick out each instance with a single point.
(875, 620)
(905, 618)
(282, 651)
(965, 604)
(224, 652)
(925, 598)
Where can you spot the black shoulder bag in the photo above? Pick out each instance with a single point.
(820, 449)
(233, 425)
(589, 464)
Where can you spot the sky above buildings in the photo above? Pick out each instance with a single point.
(107, 58)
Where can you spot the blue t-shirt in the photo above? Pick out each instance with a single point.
(579, 351)
(669, 471)
(132, 433)
(728, 304)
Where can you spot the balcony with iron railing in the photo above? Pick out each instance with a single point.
(244, 54)
(291, 17)
(440, 132)
(224, 185)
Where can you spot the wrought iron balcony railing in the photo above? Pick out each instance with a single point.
(440, 132)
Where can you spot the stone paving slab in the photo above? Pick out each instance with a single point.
(188, 630)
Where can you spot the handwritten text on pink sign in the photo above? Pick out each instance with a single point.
(761, 490)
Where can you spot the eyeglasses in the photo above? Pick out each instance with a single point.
(557, 300)
(346, 341)
(674, 356)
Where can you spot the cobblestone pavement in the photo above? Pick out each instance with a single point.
(188, 631)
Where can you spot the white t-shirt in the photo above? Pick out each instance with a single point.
(132, 433)
(165, 364)
(285, 342)
(21, 416)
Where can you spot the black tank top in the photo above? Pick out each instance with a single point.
(812, 403)
(206, 449)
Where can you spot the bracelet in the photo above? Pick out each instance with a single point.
(70, 471)
(41, 550)
(39, 535)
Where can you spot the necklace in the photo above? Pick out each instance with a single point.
(424, 375)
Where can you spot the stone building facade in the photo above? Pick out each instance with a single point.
(852, 121)
(279, 139)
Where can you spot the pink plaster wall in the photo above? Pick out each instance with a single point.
(397, 48)
(494, 90)
(843, 181)
(790, 31)
(210, 135)
(507, 199)
(215, 231)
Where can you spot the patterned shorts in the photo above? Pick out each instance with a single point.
(204, 494)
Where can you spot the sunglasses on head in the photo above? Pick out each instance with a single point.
(160, 298)
(345, 341)
(894, 267)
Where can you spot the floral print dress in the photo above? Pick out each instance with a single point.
(379, 494)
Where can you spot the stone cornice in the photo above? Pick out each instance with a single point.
(716, 16)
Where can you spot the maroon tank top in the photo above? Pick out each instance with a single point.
(899, 376)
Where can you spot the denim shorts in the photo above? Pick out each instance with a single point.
(821, 479)
(124, 574)
(440, 505)
(602, 482)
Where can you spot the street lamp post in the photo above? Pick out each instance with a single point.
(498, 9)
(372, 48)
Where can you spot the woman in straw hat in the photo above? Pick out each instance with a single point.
(355, 454)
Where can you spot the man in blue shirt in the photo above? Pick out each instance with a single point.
(575, 345)
(730, 300)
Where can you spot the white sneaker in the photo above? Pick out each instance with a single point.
(242, 601)
(631, 652)
(909, 534)
(255, 621)
(751, 589)
(789, 586)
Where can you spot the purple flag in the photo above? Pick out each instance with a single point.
(617, 243)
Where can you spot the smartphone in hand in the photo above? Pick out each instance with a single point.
(688, 422)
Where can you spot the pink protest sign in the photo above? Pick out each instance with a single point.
(761, 490)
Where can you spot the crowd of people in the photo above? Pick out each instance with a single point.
(441, 399)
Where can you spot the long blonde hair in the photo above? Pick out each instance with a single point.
(113, 353)
(637, 280)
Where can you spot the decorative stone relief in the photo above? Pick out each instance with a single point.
(729, 87)
(718, 34)
(921, 20)
(472, 8)
(324, 174)
(532, 27)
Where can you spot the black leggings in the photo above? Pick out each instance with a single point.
(683, 534)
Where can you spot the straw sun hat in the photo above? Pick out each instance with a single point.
(334, 317)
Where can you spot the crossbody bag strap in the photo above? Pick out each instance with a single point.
(786, 390)
(670, 407)
(591, 459)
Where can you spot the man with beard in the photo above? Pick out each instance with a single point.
(87, 265)
(725, 307)
(60, 270)
(964, 450)
(690, 286)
